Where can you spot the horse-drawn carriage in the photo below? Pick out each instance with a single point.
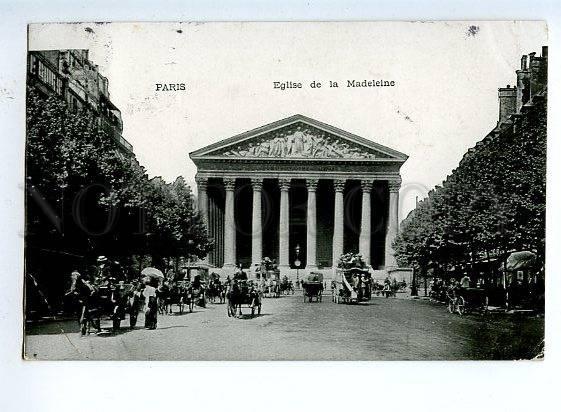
(286, 286)
(180, 293)
(267, 274)
(104, 300)
(312, 287)
(352, 285)
(216, 290)
(524, 280)
(242, 293)
(353, 281)
(199, 290)
(465, 300)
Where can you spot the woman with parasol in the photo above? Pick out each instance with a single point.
(152, 277)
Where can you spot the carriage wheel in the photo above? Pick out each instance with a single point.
(461, 306)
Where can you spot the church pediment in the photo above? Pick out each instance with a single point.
(298, 137)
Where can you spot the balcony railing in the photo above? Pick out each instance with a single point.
(50, 78)
(112, 131)
(46, 74)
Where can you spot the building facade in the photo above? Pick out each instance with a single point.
(300, 192)
(72, 76)
(531, 83)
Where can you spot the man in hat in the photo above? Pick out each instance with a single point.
(102, 271)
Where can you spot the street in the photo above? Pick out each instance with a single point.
(291, 329)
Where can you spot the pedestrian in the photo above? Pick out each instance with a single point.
(363, 287)
(465, 282)
(151, 308)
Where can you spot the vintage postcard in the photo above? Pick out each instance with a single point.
(286, 191)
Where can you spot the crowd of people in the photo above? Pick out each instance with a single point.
(99, 291)
(106, 290)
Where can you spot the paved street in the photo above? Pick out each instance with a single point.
(289, 329)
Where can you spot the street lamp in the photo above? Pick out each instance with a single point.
(297, 263)
(189, 244)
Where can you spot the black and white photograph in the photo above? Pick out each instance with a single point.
(285, 191)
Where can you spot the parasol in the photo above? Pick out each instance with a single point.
(520, 260)
(152, 273)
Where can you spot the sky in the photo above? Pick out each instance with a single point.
(444, 101)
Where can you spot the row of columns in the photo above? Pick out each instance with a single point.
(311, 221)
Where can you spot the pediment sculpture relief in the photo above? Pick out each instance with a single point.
(300, 142)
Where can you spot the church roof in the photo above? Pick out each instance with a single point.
(298, 137)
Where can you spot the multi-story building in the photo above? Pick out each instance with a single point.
(71, 75)
(522, 109)
(531, 85)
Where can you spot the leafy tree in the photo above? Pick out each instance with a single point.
(493, 201)
(85, 198)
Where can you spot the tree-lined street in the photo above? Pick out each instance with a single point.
(101, 233)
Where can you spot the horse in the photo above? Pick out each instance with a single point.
(186, 296)
(176, 296)
(233, 296)
(240, 294)
(222, 293)
(89, 301)
(286, 287)
(164, 299)
(214, 291)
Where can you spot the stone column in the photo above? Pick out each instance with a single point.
(256, 223)
(393, 222)
(365, 221)
(338, 221)
(229, 225)
(202, 199)
(284, 219)
(311, 225)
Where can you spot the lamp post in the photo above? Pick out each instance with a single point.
(297, 263)
(189, 244)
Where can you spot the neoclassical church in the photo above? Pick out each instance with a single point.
(301, 192)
